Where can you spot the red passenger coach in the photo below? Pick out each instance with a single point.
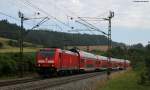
(104, 62)
(55, 60)
(88, 61)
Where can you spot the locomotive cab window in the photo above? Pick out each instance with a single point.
(49, 53)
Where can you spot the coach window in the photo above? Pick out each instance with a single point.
(99, 62)
(82, 60)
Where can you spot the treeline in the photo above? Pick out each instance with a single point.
(58, 39)
(8, 30)
(139, 57)
(50, 38)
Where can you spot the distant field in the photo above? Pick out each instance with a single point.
(4, 41)
(7, 48)
(123, 81)
(17, 50)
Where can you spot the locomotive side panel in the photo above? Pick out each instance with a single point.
(69, 61)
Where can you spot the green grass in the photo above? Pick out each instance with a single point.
(12, 50)
(4, 42)
(125, 81)
(7, 48)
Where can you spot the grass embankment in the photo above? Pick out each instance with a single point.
(6, 50)
(123, 81)
(10, 45)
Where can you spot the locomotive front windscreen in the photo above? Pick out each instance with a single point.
(47, 53)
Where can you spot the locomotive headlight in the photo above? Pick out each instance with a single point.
(39, 65)
(52, 65)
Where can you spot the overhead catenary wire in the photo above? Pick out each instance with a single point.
(41, 22)
(22, 4)
(12, 17)
(88, 20)
(37, 8)
(91, 26)
(70, 17)
(49, 15)
(4, 14)
(62, 12)
(45, 12)
(77, 16)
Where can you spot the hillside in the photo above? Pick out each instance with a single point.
(8, 45)
(50, 38)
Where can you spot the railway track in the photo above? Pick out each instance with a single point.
(52, 82)
(66, 80)
(17, 81)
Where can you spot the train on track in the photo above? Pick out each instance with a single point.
(56, 60)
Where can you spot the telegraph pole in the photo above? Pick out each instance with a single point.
(21, 65)
(109, 34)
(111, 15)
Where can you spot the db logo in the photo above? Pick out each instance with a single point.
(46, 60)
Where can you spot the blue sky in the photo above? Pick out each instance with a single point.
(130, 25)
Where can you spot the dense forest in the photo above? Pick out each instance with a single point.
(49, 38)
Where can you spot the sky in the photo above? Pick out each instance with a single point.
(130, 25)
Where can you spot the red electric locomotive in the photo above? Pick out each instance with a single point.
(55, 60)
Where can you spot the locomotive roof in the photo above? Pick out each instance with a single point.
(102, 57)
(69, 52)
(127, 61)
(87, 55)
(120, 60)
(117, 60)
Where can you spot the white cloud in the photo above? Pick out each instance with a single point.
(128, 14)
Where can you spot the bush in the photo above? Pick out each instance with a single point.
(1, 45)
(10, 63)
(29, 62)
(7, 66)
(13, 43)
(145, 73)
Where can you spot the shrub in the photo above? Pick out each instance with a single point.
(10, 63)
(28, 62)
(7, 66)
(13, 43)
(145, 73)
(1, 45)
